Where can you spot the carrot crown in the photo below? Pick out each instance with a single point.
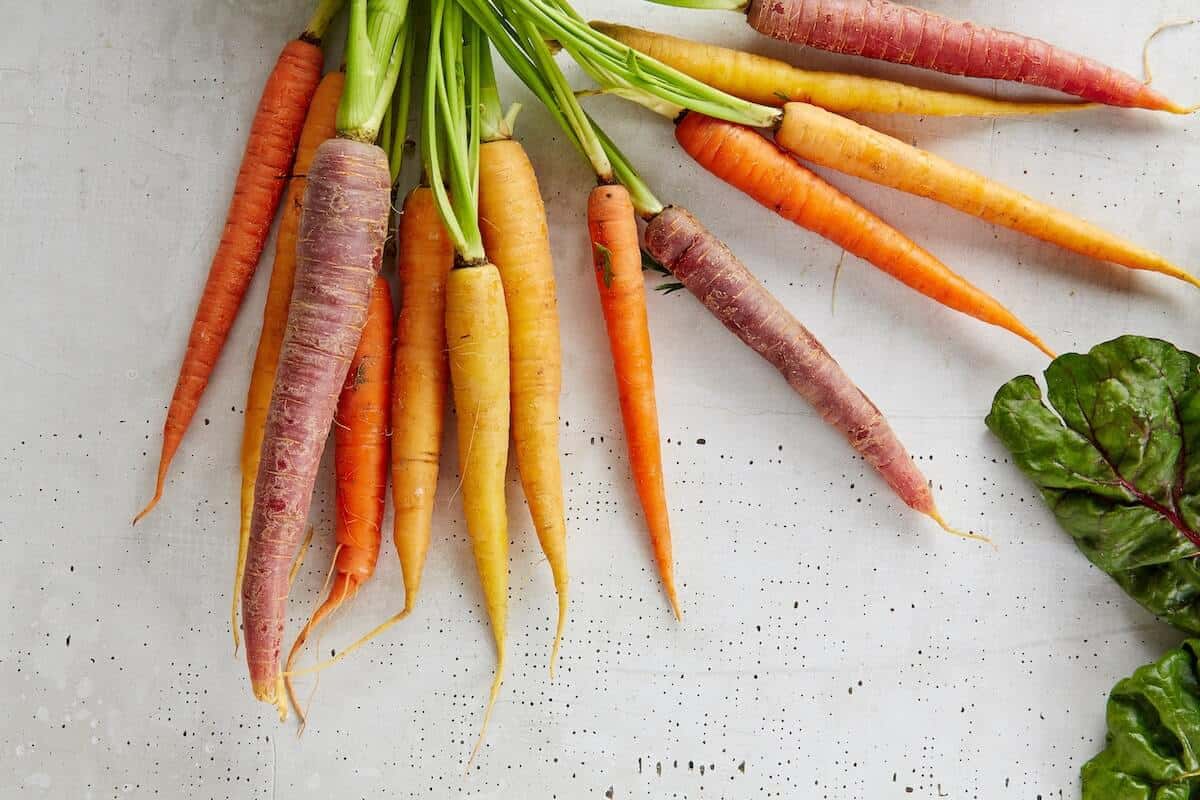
(318, 23)
(375, 51)
(632, 74)
(450, 124)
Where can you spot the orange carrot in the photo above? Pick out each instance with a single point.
(360, 443)
(745, 159)
(618, 261)
(424, 256)
(270, 148)
(318, 127)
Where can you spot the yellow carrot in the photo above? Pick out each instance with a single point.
(833, 141)
(766, 80)
(477, 337)
(512, 220)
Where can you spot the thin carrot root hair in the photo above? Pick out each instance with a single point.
(1149, 74)
(491, 703)
(299, 560)
(937, 517)
(362, 640)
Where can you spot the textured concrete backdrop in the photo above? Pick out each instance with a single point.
(835, 644)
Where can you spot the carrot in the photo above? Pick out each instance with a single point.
(360, 442)
(512, 219)
(424, 257)
(885, 30)
(459, 87)
(713, 274)
(618, 261)
(844, 145)
(477, 336)
(318, 127)
(342, 231)
(833, 141)
(771, 82)
(745, 159)
(270, 148)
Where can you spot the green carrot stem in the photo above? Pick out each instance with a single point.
(621, 65)
(401, 102)
(492, 125)
(644, 201)
(714, 5)
(319, 22)
(371, 72)
(446, 125)
(385, 18)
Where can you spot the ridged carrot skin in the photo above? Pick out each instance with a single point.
(342, 231)
(733, 295)
(512, 219)
(361, 430)
(318, 126)
(618, 262)
(771, 82)
(833, 141)
(424, 255)
(477, 336)
(270, 149)
(745, 159)
(889, 31)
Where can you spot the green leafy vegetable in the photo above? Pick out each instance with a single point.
(1153, 742)
(1119, 463)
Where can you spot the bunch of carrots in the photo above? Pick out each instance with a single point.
(477, 315)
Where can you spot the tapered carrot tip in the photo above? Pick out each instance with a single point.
(158, 493)
(558, 632)
(273, 692)
(673, 598)
(487, 713)
(936, 516)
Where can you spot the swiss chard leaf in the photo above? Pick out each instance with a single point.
(1152, 751)
(1118, 461)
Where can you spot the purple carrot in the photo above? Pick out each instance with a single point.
(342, 232)
(889, 31)
(713, 274)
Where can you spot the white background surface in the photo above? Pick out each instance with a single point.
(836, 645)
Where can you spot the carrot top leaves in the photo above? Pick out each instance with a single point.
(450, 123)
(372, 69)
(616, 65)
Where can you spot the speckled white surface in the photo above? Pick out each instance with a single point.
(835, 644)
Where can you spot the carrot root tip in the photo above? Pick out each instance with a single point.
(936, 516)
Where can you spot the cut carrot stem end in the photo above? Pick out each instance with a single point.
(936, 516)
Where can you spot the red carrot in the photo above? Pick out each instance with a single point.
(885, 30)
(270, 148)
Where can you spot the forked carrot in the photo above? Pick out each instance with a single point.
(319, 126)
(270, 149)
(360, 448)
(424, 256)
(745, 159)
(618, 262)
